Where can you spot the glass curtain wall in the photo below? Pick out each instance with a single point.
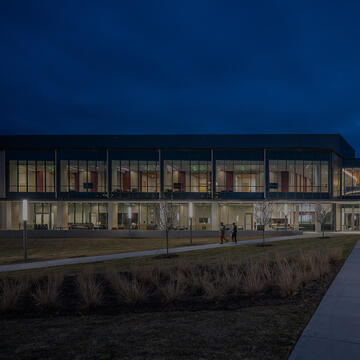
(135, 176)
(298, 176)
(83, 176)
(87, 215)
(336, 169)
(351, 181)
(138, 216)
(31, 176)
(239, 176)
(242, 215)
(43, 216)
(187, 176)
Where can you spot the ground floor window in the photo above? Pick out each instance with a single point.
(240, 214)
(43, 216)
(87, 215)
(137, 216)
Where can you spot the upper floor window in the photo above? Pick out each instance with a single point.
(135, 176)
(83, 176)
(351, 181)
(239, 176)
(31, 176)
(298, 176)
(187, 176)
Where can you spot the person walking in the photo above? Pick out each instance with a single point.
(222, 233)
(234, 233)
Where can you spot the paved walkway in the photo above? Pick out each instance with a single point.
(334, 330)
(100, 258)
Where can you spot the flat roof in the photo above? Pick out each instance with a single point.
(334, 142)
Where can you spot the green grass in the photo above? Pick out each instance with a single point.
(288, 248)
(11, 250)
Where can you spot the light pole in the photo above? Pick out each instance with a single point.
(25, 218)
(129, 216)
(190, 218)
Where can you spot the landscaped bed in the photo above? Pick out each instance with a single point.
(228, 308)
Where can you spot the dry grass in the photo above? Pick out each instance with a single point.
(212, 286)
(289, 276)
(90, 287)
(335, 254)
(253, 281)
(174, 289)
(10, 292)
(131, 291)
(46, 292)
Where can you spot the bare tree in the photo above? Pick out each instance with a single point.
(166, 220)
(263, 212)
(321, 213)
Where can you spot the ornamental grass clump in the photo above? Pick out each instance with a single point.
(322, 262)
(212, 286)
(173, 289)
(46, 290)
(289, 276)
(129, 289)
(10, 292)
(253, 281)
(91, 289)
(335, 254)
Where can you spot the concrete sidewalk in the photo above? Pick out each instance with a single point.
(100, 258)
(334, 330)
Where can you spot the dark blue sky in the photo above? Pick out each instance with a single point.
(180, 67)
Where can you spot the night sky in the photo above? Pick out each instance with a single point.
(180, 67)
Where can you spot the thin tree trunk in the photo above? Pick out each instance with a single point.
(167, 242)
(263, 235)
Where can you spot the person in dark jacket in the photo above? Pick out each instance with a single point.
(234, 233)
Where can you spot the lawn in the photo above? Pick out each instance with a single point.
(264, 327)
(239, 253)
(11, 250)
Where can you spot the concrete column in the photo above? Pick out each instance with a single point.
(213, 216)
(61, 215)
(296, 220)
(338, 217)
(2, 215)
(317, 224)
(112, 216)
(8, 216)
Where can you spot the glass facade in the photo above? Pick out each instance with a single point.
(135, 176)
(87, 215)
(43, 216)
(336, 174)
(298, 176)
(137, 216)
(239, 176)
(83, 176)
(31, 176)
(240, 214)
(351, 181)
(187, 176)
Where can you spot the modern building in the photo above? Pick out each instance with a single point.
(118, 181)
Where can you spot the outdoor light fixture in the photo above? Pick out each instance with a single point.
(25, 210)
(190, 210)
(129, 216)
(190, 218)
(25, 219)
